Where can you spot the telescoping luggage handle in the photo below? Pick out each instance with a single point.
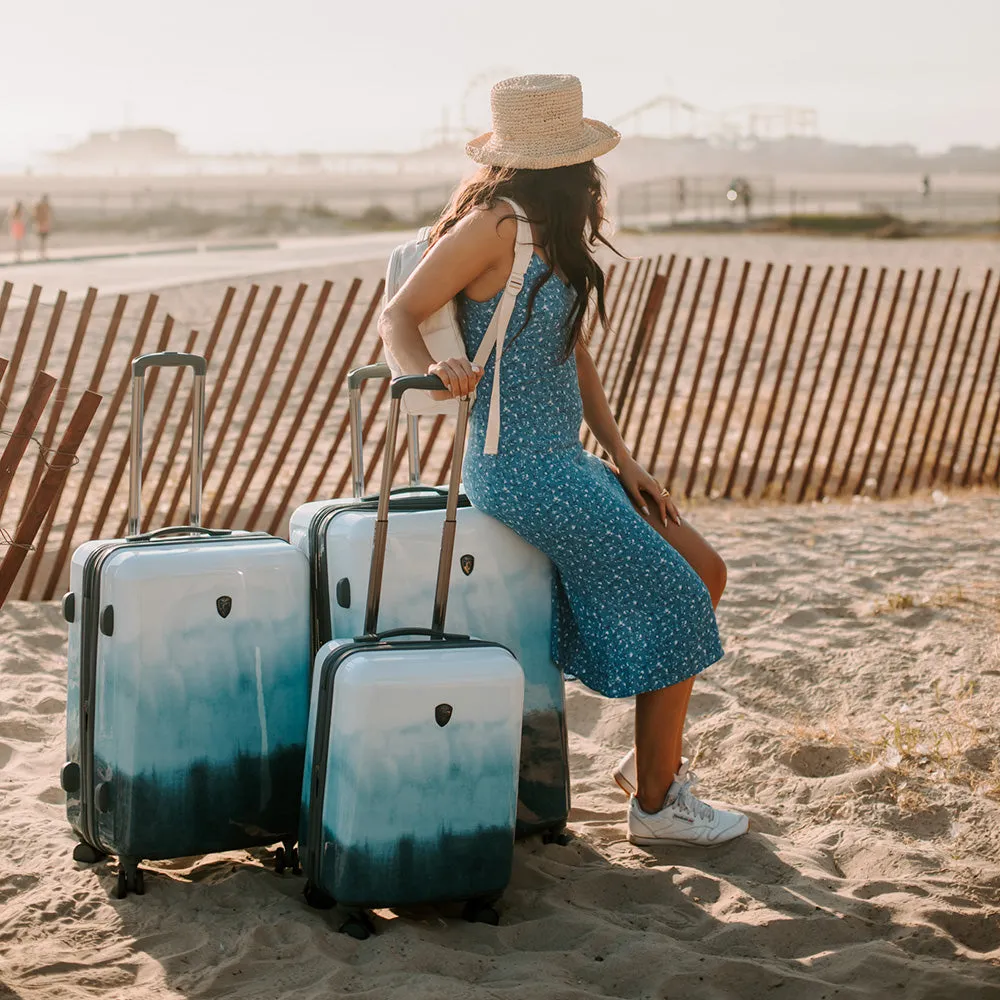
(355, 380)
(400, 385)
(166, 359)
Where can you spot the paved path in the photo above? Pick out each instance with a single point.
(124, 270)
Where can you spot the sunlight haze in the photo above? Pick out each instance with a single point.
(310, 75)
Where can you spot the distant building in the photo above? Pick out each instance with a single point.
(124, 150)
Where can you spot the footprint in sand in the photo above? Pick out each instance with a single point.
(21, 729)
(816, 760)
(51, 706)
(52, 796)
(870, 890)
(976, 931)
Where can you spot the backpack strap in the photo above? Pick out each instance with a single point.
(524, 247)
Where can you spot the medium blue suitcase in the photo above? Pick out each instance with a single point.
(501, 590)
(188, 682)
(410, 793)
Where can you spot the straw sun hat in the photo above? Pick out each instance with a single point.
(538, 124)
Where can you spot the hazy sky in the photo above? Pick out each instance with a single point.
(321, 74)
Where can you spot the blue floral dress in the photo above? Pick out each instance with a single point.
(630, 615)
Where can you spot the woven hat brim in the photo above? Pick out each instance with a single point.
(594, 139)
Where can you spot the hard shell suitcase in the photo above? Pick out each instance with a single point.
(188, 681)
(410, 793)
(501, 591)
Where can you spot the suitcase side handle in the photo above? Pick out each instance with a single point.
(355, 381)
(166, 359)
(397, 632)
(399, 386)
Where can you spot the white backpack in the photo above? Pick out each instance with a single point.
(442, 334)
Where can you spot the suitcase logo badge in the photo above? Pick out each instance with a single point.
(467, 563)
(442, 714)
(224, 605)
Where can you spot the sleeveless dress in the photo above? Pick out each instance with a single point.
(629, 613)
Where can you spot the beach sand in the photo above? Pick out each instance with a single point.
(854, 716)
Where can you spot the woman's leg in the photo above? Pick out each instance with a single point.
(660, 715)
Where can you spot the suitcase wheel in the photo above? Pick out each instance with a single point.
(481, 911)
(317, 898)
(358, 926)
(560, 837)
(130, 879)
(287, 857)
(87, 854)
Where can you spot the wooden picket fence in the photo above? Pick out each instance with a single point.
(786, 383)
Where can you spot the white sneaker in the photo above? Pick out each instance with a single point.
(684, 818)
(625, 773)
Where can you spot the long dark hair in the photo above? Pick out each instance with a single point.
(567, 203)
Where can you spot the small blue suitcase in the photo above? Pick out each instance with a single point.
(188, 682)
(410, 793)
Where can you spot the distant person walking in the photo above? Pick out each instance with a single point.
(17, 222)
(927, 185)
(43, 225)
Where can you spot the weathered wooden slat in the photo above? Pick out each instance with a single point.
(50, 486)
(123, 458)
(218, 384)
(958, 385)
(23, 335)
(986, 391)
(263, 384)
(793, 392)
(925, 384)
(720, 369)
(20, 437)
(77, 509)
(319, 371)
(775, 389)
(662, 353)
(681, 351)
(942, 386)
(696, 380)
(738, 380)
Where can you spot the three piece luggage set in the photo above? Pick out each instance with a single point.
(229, 689)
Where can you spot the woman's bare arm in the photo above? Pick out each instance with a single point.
(474, 247)
(638, 483)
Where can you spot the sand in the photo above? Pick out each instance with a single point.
(854, 716)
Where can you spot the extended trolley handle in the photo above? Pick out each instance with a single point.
(355, 380)
(166, 359)
(399, 386)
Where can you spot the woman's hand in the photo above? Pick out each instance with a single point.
(459, 375)
(641, 487)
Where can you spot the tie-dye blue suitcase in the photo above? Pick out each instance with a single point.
(188, 682)
(501, 590)
(410, 794)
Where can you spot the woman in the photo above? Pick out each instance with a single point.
(636, 586)
(17, 221)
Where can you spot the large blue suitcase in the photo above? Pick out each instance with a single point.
(501, 590)
(188, 682)
(410, 793)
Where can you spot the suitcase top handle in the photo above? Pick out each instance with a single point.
(169, 359)
(398, 386)
(165, 359)
(404, 383)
